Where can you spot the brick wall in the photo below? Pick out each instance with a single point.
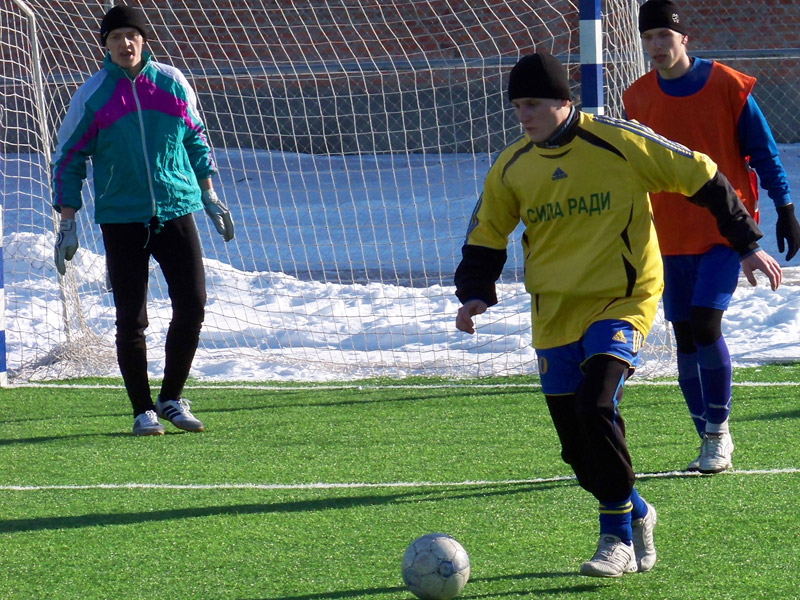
(320, 76)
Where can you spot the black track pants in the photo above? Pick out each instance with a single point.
(176, 248)
(592, 432)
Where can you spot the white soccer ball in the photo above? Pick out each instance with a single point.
(435, 567)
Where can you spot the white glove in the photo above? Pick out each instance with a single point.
(66, 244)
(218, 213)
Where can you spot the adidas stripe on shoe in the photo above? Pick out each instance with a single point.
(177, 412)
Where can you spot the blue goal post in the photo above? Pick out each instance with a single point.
(591, 55)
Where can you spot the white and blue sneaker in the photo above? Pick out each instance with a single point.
(177, 412)
(613, 558)
(147, 424)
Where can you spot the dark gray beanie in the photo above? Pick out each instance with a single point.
(655, 14)
(538, 75)
(122, 16)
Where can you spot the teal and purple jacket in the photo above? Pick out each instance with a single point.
(147, 144)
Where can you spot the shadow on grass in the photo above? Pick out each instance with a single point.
(416, 496)
(261, 406)
(44, 439)
(338, 595)
(58, 418)
(777, 416)
(567, 589)
(298, 398)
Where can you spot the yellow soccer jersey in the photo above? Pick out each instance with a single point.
(590, 248)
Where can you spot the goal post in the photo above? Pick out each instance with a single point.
(58, 340)
(352, 138)
(591, 48)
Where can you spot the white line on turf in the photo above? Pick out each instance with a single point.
(334, 486)
(355, 386)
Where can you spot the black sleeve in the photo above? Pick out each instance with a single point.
(477, 273)
(733, 220)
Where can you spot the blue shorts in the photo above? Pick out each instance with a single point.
(560, 368)
(707, 280)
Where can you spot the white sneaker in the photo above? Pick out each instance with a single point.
(715, 453)
(177, 412)
(613, 558)
(643, 546)
(695, 464)
(147, 424)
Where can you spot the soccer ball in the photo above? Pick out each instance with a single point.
(435, 567)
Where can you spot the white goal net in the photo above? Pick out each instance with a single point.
(352, 138)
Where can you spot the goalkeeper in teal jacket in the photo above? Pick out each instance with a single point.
(580, 185)
(137, 120)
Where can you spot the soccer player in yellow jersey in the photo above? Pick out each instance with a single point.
(580, 184)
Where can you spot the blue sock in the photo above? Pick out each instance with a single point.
(715, 376)
(689, 381)
(615, 519)
(639, 507)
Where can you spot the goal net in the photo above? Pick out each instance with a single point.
(352, 138)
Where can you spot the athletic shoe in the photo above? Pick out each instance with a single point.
(613, 558)
(695, 464)
(177, 413)
(715, 453)
(643, 546)
(147, 424)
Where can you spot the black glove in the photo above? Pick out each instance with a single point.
(787, 228)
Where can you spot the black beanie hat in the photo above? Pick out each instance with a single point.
(539, 75)
(122, 16)
(655, 14)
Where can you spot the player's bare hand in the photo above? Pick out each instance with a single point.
(761, 261)
(468, 310)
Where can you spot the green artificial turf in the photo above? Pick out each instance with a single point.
(313, 492)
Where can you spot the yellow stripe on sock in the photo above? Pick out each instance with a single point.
(604, 510)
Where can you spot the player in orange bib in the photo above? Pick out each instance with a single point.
(709, 108)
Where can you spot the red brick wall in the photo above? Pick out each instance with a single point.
(320, 50)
